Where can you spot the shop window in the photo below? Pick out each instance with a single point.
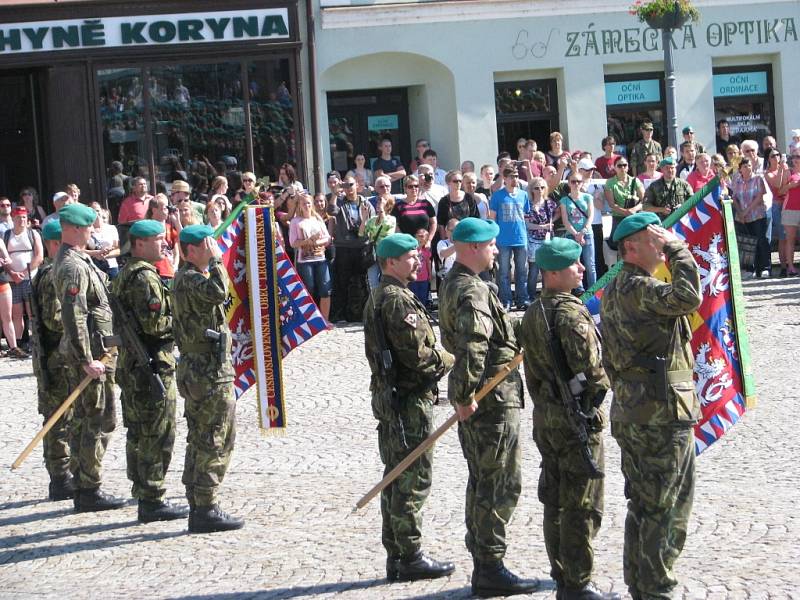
(744, 97)
(526, 109)
(630, 101)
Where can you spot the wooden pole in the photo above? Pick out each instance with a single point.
(427, 443)
(105, 359)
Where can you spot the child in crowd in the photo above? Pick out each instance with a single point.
(422, 286)
(794, 145)
(446, 252)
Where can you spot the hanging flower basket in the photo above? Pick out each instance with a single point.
(665, 14)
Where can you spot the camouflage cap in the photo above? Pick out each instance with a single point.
(688, 129)
(146, 228)
(668, 161)
(194, 234)
(475, 231)
(395, 245)
(52, 230)
(77, 214)
(558, 253)
(634, 223)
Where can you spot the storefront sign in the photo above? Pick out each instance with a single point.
(382, 122)
(639, 91)
(115, 32)
(740, 84)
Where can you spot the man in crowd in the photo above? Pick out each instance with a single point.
(386, 164)
(60, 200)
(181, 192)
(572, 499)
(724, 137)
(430, 157)
(205, 376)
(688, 136)
(646, 145)
(88, 333)
(6, 223)
(148, 410)
(428, 189)
(51, 369)
(668, 193)
(767, 144)
(508, 206)
(403, 394)
(687, 163)
(134, 206)
(477, 330)
(647, 336)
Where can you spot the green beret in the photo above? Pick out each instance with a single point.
(667, 161)
(395, 245)
(52, 230)
(636, 222)
(688, 129)
(77, 214)
(194, 234)
(146, 228)
(558, 253)
(475, 231)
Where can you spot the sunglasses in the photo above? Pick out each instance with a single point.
(182, 200)
(348, 184)
(576, 180)
(456, 180)
(412, 186)
(5, 204)
(622, 165)
(537, 187)
(248, 180)
(381, 185)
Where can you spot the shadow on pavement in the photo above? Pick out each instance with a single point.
(20, 504)
(42, 516)
(293, 592)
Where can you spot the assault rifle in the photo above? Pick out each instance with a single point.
(37, 339)
(385, 363)
(123, 323)
(571, 390)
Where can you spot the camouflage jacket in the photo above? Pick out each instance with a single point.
(672, 194)
(571, 322)
(198, 305)
(85, 312)
(642, 318)
(639, 151)
(44, 289)
(417, 363)
(480, 334)
(143, 295)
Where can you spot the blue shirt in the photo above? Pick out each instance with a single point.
(510, 212)
(577, 210)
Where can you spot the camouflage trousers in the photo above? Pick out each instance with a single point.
(94, 420)
(490, 443)
(150, 423)
(55, 444)
(401, 502)
(658, 465)
(210, 410)
(573, 504)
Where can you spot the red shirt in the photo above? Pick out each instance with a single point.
(133, 209)
(792, 201)
(697, 181)
(164, 264)
(605, 166)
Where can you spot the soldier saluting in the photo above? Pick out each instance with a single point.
(50, 368)
(560, 341)
(406, 366)
(477, 330)
(87, 321)
(146, 373)
(648, 357)
(205, 376)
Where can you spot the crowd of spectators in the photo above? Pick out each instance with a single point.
(331, 235)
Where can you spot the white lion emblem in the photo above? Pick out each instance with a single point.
(241, 344)
(714, 276)
(711, 380)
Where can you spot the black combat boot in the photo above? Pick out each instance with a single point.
(587, 592)
(493, 579)
(96, 500)
(158, 510)
(207, 519)
(392, 573)
(62, 489)
(422, 566)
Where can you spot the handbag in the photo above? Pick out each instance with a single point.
(368, 256)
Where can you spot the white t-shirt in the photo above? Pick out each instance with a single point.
(20, 251)
(447, 263)
(302, 229)
(105, 237)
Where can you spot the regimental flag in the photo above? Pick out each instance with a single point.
(268, 308)
(722, 373)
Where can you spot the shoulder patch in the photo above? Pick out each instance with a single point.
(154, 304)
(73, 290)
(411, 320)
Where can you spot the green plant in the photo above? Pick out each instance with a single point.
(655, 9)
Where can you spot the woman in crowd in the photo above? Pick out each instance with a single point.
(287, 176)
(577, 212)
(539, 223)
(5, 306)
(360, 170)
(624, 193)
(159, 211)
(732, 154)
(219, 187)
(702, 174)
(751, 214)
(790, 214)
(413, 214)
(30, 200)
(605, 164)
(375, 229)
(456, 204)
(187, 214)
(470, 186)
(651, 172)
(249, 192)
(309, 236)
(104, 242)
(777, 174)
(213, 214)
(556, 149)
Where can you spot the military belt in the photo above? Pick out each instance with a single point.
(111, 341)
(198, 347)
(681, 376)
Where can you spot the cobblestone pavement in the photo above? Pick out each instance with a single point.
(297, 492)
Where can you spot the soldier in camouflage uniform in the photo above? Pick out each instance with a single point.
(480, 334)
(87, 321)
(573, 501)
(655, 405)
(668, 193)
(646, 145)
(402, 401)
(50, 368)
(148, 414)
(205, 376)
